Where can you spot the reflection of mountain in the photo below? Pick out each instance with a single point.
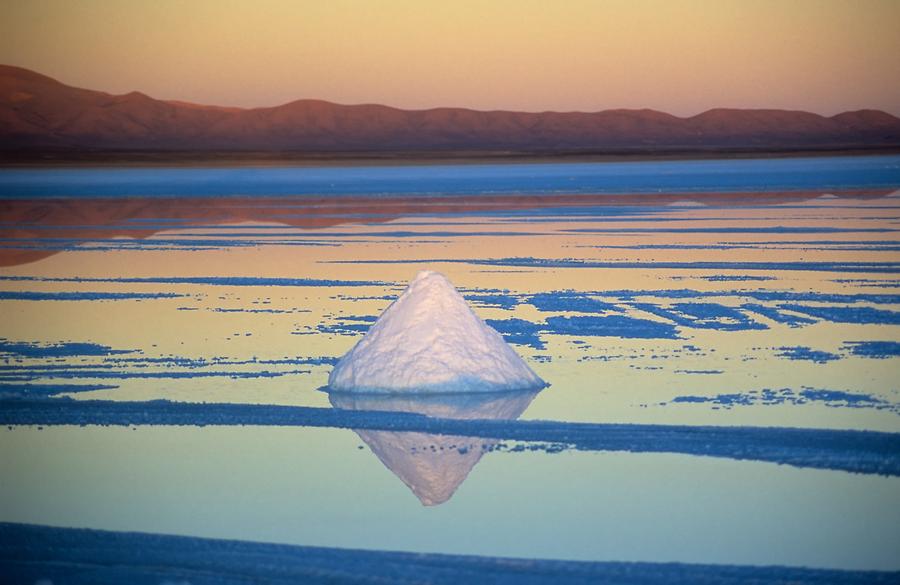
(27, 223)
(433, 466)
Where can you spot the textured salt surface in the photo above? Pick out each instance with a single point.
(863, 267)
(42, 554)
(856, 451)
(429, 340)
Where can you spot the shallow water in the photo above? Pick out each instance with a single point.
(729, 293)
(315, 486)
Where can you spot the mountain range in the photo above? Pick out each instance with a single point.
(38, 112)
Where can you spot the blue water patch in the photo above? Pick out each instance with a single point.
(14, 390)
(493, 299)
(804, 353)
(241, 310)
(155, 243)
(62, 349)
(82, 296)
(817, 297)
(382, 234)
(26, 374)
(778, 316)
(734, 278)
(610, 326)
(29, 362)
(570, 301)
(189, 362)
(736, 230)
(519, 331)
(210, 280)
(360, 318)
(760, 295)
(879, 283)
(874, 349)
(830, 173)
(531, 262)
(528, 333)
(767, 397)
(704, 316)
(857, 315)
(344, 327)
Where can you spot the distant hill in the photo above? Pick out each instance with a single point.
(37, 112)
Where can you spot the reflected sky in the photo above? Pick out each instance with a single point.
(317, 487)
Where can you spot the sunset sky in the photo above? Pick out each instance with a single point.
(681, 57)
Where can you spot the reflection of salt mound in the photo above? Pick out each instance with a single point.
(433, 466)
(429, 340)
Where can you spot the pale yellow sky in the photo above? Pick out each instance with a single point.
(681, 56)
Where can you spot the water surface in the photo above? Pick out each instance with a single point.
(754, 293)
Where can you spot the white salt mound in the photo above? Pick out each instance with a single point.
(429, 340)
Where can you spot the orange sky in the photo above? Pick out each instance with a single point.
(682, 57)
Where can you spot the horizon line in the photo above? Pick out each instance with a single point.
(193, 104)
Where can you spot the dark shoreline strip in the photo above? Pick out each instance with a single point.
(33, 554)
(845, 450)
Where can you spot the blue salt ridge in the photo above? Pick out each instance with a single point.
(36, 554)
(855, 451)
